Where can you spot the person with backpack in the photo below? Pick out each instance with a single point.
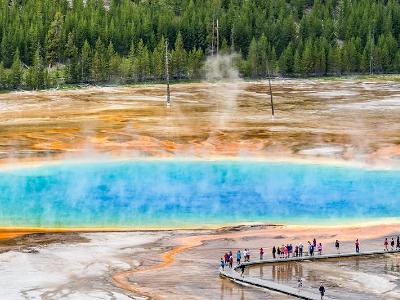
(337, 246)
(322, 291)
(222, 264)
(242, 267)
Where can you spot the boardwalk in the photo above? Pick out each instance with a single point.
(235, 276)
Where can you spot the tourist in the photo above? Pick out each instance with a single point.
(310, 249)
(392, 244)
(322, 291)
(301, 250)
(296, 250)
(238, 257)
(282, 251)
(319, 248)
(398, 243)
(314, 243)
(261, 253)
(242, 267)
(278, 251)
(357, 243)
(286, 251)
(248, 254)
(386, 243)
(230, 261)
(290, 250)
(222, 264)
(337, 246)
(226, 258)
(273, 252)
(245, 255)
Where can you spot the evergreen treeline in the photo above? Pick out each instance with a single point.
(47, 42)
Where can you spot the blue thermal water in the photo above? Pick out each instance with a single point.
(162, 193)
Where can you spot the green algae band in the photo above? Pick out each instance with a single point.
(173, 194)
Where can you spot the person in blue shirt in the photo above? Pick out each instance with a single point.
(238, 257)
(222, 264)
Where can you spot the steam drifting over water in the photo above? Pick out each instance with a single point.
(149, 194)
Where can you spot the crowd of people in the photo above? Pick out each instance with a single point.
(298, 250)
(289, 251)
(227, 260)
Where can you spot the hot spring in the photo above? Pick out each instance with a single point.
(193, 193)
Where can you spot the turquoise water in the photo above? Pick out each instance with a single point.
(173, 193)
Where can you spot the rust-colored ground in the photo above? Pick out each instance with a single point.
(345, 120)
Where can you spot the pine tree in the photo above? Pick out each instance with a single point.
(298, 63)
(132, 61)
(85, 62)
(36, 78)
(396, 61)
(308, 58)
(195, 58)
(159, 60)
(179, 58)
(54, 39)
(7, 49)
(365, 61)
(125, 69)
(72, 73)
(286, 60)
(334, 60)
(16, 71)
(263, 61)
(252, 59)
(141, 62)
(109, 56)
(98, 68)
(273, 62)
(3, 77)
(113, 65)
